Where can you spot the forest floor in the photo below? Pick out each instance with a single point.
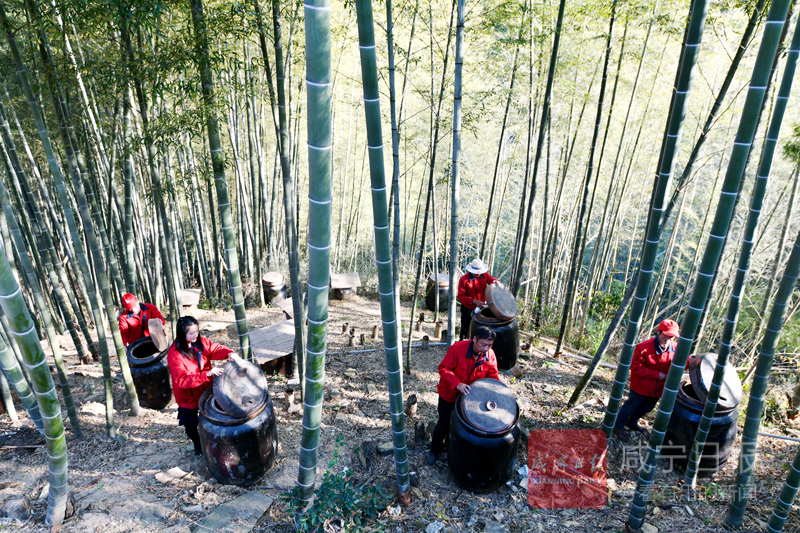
(120, 485)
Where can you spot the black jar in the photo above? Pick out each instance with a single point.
(274, 287)
(440, 291)
(682, 428)
(688, 411)
(239, 444)
(506, 345)
(484, 436)
(150, 373)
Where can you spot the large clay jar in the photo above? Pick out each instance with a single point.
(438, 291)
(237, 427)
(688, 411)
(274, 287)
(484, 436)
(150, 373)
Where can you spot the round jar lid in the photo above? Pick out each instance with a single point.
(501, 301)
(489, 407)
(272, 279)
(701, 371)
(241, 389)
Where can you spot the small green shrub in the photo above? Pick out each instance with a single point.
(213, 303)
(605, 303)
(337, 498)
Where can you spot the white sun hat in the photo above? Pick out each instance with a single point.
(477, 267)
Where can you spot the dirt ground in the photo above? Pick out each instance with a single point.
(114, 486)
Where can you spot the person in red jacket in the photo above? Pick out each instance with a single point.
(472, 292)
(133, 320)
(464, 363)
(649, 367)
(189, 360)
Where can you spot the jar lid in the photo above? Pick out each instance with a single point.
(701, 371)
(444, 279)
(241, 389)
(272, 279)
(489, 407)
(501, 301)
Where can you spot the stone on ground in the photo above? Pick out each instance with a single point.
(236, 516)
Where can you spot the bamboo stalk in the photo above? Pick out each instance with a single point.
(318, 81)
(372, 110)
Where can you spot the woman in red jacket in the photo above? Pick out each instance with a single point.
(189, 361)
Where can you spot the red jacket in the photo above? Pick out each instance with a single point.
(473, 289)
(189, 381)
(133, 327)
(457, 368)
(646, 365)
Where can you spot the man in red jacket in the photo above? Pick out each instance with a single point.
(464, 363)
(472, 292)
(133, 320)
(649, 367)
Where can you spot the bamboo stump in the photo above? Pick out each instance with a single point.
(425, 342)
(411, 406)
(352, 341)
(374, 332)
(344, 327)
(438, 331)
(289, 398)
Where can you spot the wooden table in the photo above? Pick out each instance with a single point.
(273, 345)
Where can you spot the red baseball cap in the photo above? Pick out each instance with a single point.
(129, 301)
(669, 328)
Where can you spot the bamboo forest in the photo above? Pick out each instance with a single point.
(412, 266)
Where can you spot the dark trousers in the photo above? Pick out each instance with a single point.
(634, 408)
(188, 418)
(442, 426)
(466, 320)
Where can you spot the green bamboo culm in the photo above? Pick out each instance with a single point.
(5, 389)
(787, 495)
(318, 90)
(11, 369)
(77, 243)
(758, 390)
(734, 303)
(711, 256)
(22, 327)
(395, 171)
(218, 164)
(455, 179)
(755, 406)
(289, 203)
(383, 257)
(666, 167)
(44, 312)
(127, 172)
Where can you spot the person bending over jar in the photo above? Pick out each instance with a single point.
(189, 361)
